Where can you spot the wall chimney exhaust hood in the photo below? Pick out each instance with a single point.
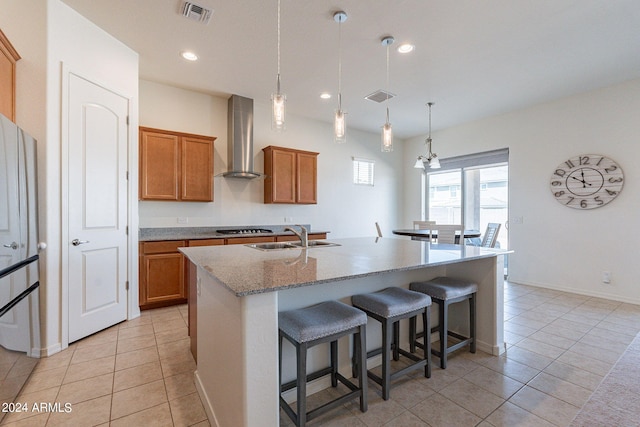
(240, 138)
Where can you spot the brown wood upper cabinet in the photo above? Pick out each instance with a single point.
(175, 166)
(8, 59)
(292, 176)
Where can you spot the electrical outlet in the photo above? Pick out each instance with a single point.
(517, 220)
(183, 220)
(606, 277)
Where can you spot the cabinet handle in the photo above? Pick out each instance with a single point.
(76, 242)
(12, 245)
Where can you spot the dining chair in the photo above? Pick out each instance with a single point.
(423, 225)
(378, 230)
(447, 233)
(490, 235)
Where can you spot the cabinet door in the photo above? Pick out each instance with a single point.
(8, 58)
(283, 176)
(159, 166)
(306, 178)
(162, 279)
(197, 169)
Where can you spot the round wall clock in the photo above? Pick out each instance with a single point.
(587, 181)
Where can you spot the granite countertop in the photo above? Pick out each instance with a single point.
(190, 233)
(245, 270)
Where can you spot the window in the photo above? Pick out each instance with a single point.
(363, 171)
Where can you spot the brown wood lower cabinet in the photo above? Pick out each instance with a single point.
(162, 274)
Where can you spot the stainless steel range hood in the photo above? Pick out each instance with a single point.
(240, 139)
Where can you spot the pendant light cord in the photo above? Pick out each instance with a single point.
(278, 88)
(387, 100)
(340, 64)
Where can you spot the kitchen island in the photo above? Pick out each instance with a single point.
(241, 289)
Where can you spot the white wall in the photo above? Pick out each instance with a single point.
(555, 246)
(47, 34)
(343, 208)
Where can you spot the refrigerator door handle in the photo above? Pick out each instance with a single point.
(76, 242)
(12, 245)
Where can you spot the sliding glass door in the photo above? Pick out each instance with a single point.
(472, 190)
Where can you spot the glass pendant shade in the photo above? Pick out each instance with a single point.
(419, 164)
(279, 101)
(434, 163)
(387, 137)
(339, 127)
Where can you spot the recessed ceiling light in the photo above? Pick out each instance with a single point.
(325, 95)
(406, 48)
(189, 56)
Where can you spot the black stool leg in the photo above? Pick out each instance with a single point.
(360, 339)
(426, 315)
(334, 363)
(280, 338)
(472, 322)
(396, 340)
(301, 404)
(355, 360)
(444, 330)
(387, 329)
(412, 335)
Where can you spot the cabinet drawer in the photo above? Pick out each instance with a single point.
(166, 246)
(206, 242)
(245, 240)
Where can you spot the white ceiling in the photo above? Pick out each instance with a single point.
(473, 58)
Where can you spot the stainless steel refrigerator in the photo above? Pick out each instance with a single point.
(19, 283)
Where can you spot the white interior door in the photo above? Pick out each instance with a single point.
(97, 207)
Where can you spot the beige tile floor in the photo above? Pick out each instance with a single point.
(137, 373)
(560, 346)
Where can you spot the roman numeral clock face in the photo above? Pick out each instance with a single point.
(587, 181)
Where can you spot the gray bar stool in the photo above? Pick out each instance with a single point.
(310, 326)
(446, 291)
(388, 307)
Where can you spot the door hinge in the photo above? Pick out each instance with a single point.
(127, 175)
(127, 285)
(127, 120)
(126, 230)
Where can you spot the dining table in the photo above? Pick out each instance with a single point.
(417, 234)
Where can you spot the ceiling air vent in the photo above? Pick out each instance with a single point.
(196, 12)
(380, 96)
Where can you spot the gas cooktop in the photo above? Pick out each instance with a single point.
(244, 231)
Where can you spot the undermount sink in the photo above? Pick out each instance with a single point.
(272, 246)
(293, 245)
(316, 243)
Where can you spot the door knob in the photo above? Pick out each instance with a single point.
(12, 245)
(76, 242)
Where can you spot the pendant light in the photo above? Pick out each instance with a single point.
(339, 124)
(387, 130)
(430, 158)
(278, 99)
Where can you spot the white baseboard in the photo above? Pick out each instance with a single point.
(206, 402)
(579, 291)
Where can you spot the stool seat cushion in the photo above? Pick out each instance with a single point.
(391, 302)
(444, 288)
(320, 320)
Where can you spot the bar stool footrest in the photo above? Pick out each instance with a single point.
(355, 392)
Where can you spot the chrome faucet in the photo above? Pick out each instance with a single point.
(303, 235)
